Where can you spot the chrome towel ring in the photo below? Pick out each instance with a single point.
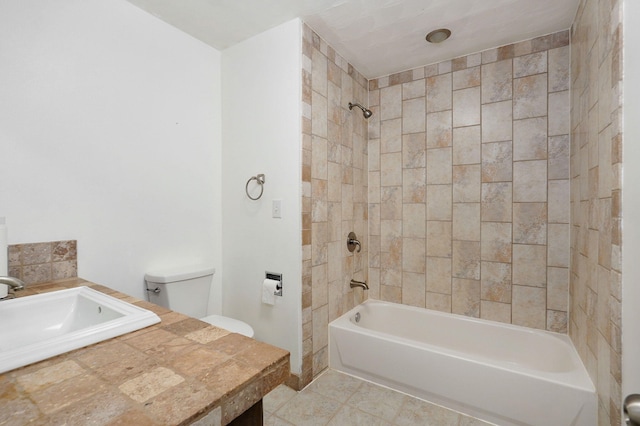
(260, 179)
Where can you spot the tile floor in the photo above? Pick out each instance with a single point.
(337, 399)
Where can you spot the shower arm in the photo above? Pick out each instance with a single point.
(365, 111)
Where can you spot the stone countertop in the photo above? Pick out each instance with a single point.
(177, 372)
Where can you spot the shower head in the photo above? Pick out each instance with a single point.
(365, 111)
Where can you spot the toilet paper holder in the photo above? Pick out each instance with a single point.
(276, 277)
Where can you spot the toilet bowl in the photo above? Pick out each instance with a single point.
(186, 290)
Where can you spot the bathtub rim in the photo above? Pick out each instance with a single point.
(577, 378)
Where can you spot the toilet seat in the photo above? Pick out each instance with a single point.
(233, 325)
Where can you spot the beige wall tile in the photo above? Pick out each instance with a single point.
(414, 187)
(439, 162)
(439, 129)
(413, 255)
(530, 223)
(496, 241)
(413, 116)
(319, 286)
(439, 93)
(439, 202)
(529, 265)
(497, 164)
(391, 276)
(413, 150)
(530, 139)
(528, 308)
(439, 302)
(439, 237)
(319, 238)
(559, 69)
(318, 115)
(319, 200)
(373, 190)
(391, 102)
(559, 119)
(466, 183)
(373, 151)
(494, 311)
(558, 247)
(414, 220)
(439, 275)
(465, 297)
(319, 165)
(496, 282)
(559, 207)
(530, 96)
(413, 89)
(391, 293)
(466, 107)
(391, 203)
(497, 121)
(466, 221)
(466, 260)
(559, 147)
(318, 72)
(496, 199)
(391, 136)
(414, 289)
(465, 78)
(558, 289)
(466, 145)
(535, 63)
(335, 182)
(391, 169)
(320, 327)
(489, 56)
(557, 321)
(496, 80)
(530, 181)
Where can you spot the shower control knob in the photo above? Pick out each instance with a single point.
(352, 242)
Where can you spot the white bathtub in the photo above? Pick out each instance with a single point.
(500, 373)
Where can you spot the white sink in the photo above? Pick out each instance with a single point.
(34, 328)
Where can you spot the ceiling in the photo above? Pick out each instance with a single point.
(378, 37)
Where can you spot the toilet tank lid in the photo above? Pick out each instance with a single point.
(178, 273)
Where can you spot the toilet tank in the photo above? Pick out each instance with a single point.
(181, 289)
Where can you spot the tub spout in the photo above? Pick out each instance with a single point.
(362, 284)
(13, 283)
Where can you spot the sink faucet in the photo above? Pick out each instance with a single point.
(13, 283)
(362, 284)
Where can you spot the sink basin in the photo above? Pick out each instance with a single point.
(34, 328)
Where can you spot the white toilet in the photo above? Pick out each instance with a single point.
(186, 290)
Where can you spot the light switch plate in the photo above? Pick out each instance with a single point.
(276, 209)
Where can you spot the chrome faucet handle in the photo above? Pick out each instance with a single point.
(352, 242)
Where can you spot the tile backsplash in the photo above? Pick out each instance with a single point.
(41, 262)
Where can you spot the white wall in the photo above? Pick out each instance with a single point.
(109, 134)
(631, 204)
(261, 80)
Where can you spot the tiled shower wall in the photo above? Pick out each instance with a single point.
(469, 185)
(334, 187)
(596, 166)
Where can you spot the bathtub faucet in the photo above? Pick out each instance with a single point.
(13, 284)
(362, 284)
